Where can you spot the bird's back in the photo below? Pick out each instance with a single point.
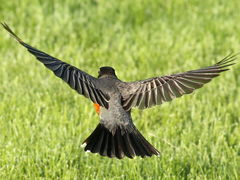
(115, 115)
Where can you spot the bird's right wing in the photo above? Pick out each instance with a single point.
(78, 80)
(155, 91)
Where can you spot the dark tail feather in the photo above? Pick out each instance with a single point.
(120, 144)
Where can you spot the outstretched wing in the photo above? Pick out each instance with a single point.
(82, 82)
(155, 91)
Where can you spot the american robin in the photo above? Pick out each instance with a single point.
(116, 135)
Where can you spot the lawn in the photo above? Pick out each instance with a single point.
(43, 122)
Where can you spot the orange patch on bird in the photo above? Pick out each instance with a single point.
(97, 108)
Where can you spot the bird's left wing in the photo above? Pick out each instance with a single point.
(155, 91)
(78, 80)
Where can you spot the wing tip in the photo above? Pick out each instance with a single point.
(229, 60)
(8, 29)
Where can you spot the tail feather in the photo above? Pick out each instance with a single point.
(129, 146)
(148, 145)
(140, 149)
(120, 144)
(111, 147)
(104, 147)
(98, 144)
(92, 140)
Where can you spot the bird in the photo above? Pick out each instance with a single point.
(116, 136)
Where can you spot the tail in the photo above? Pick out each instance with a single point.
(120, 144)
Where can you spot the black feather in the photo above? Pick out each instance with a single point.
(119, 144)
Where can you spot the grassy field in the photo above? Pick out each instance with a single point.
(43, 122)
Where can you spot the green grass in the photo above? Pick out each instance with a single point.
(43, 122)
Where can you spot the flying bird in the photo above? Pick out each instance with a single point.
(116, 135)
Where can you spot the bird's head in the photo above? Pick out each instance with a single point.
(106, 71)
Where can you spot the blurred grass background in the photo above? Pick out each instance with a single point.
(43, 122)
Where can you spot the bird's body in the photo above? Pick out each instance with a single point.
(116, 135)
(115, 115)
